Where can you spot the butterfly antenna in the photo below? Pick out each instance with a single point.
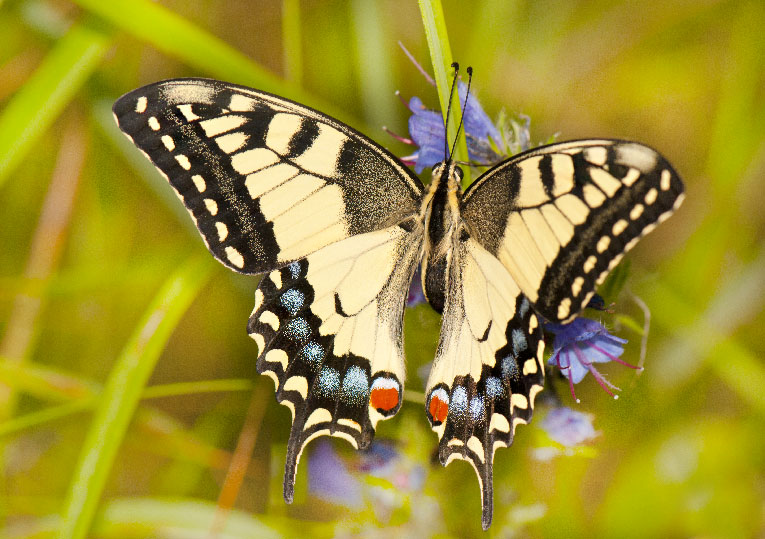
(464, 109)
(447, 155)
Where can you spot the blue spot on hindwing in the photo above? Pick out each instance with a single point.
(524, 308)
(294, 270)
(292, 300)
(327, 383)
(494, 388)
(459, 402)
(510, 368)
(476, 408)
(519, 341)
(298, 329)
(312, 354)
(356, 386)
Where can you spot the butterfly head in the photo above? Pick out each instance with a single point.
(448, 175)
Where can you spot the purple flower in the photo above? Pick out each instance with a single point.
(341, 481)
(426, 128)
(580, 344)
(569, 427)
(383, 460)
(329, 479)
(416, 295)
(487, 142)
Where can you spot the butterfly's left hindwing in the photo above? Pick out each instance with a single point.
(329, 333)
(488, 368)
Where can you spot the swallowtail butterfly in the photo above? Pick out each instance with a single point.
(338, 226)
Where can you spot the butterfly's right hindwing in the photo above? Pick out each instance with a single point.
(488, 368)
(329, 333)
(266, 180)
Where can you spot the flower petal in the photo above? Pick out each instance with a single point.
(569, 427)
(578, 369)
(329, 479)
(416, 294)
(606, 349)
(426, 128)
(477, 122)
(581, 343)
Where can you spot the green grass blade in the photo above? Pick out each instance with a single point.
(44, 382)
(81, 394)
(44, 416)
(374, 64)
(441, 57)
(198, 48)
(180, 517)
(82, 404)
(292, 42)
(122, 392)
(203, 386)
(739, 122)
(176, 517)
(178, 37)
(38, 103)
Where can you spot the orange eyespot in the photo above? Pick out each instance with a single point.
(438, 406)
(384, 398)
(438, 409)
(385, 394)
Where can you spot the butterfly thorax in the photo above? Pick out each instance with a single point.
(441, 215)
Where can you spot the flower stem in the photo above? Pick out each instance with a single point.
(441, 55)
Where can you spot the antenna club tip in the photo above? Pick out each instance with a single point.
(456, 65)
(470, 70)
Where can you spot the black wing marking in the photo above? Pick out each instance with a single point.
(329, 333)
(560, 217)
(266, 180)
(488, 369)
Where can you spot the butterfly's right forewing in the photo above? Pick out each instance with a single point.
(560, 217)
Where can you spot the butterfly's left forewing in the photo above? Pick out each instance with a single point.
(488, 368)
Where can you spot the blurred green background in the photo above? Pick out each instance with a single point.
(124, 360)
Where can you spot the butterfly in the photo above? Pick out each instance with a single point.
(338, 226)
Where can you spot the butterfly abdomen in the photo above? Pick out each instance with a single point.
(442, 220)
